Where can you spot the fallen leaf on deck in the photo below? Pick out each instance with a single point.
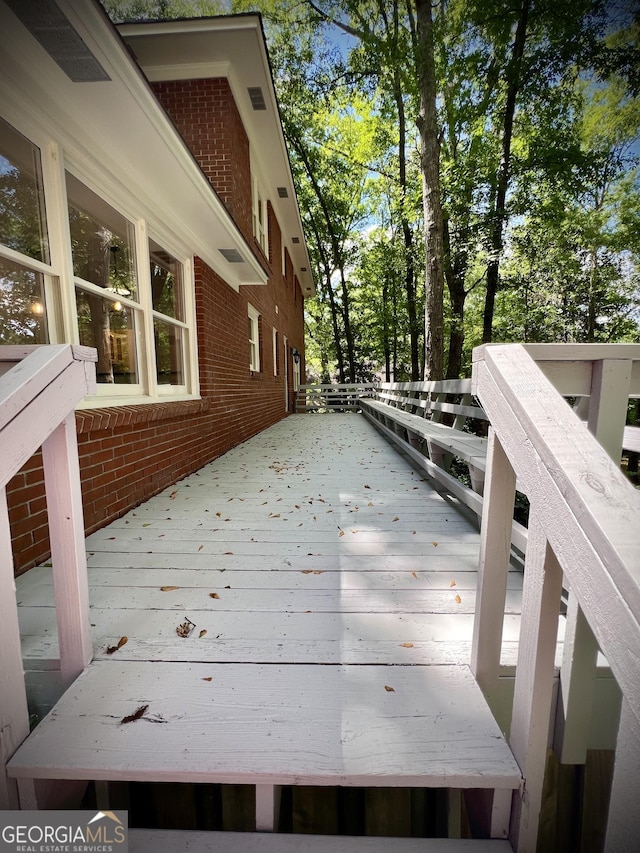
(142, 710)
(370, 503)
(227, 553)
(213, 595)
(148, 524)
(219, 514)
(435, 544)
(341, 533)
(186, 628)
(307, 571)
(168, 588)
(389, 689)
(202, 633)
(367, 487)
(200, 548)
(208, 678)
(407, 645)
(458, 600)
(397, 518)
(227, 587)
(172, 496)
(453, 583)
(414, 575)
(121, 642)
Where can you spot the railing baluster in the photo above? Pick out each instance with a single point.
(493, 569)
(623, 826)
(534, 680)
(68, 556)
(14, 714)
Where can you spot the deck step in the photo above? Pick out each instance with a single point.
(420, 726)
(170, 841)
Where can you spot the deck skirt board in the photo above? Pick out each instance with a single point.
(348, 725)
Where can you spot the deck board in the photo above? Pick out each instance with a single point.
(338, 571)
(319, 725)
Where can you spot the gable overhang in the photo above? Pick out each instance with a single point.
(233, 47)
(115, 133)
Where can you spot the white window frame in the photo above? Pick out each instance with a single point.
(254, 339)
(275, 351)
(259, 215)
(60, 281)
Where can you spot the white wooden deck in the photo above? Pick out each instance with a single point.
(321, 544)
(313, 543)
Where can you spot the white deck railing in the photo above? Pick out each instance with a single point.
(39, 389)
(328, 398)
(583, 532)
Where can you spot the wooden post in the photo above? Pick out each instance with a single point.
(68, 555)
(493, 568)
(14, 713)
(267, 807)
(623, 826)
(534, 680)
(607, 414)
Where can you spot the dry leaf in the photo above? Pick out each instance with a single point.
(407, 645)
(121, 642)
(341, 533)
(168, 588)
(453, 583)
(228, 553)
(172, 496)
(435, 544)
(186, 628)
(200, 548)
(202, 633)
(219, 514)
(458, 600)
(414, 575)
(213, 595)
(397, 518)
(389, 689)
(142, 710)
(307, 571)
(208, 678)
(367, 487)
(370, 503)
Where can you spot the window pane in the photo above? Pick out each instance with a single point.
(22, 219)
(169, 361)
(22, 306)
(166, 282)
(102, 242)
(110, 328)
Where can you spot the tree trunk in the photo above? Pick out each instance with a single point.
(502, 183)
(430, 168)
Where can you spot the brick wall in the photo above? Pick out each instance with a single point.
(206, 116)
(129, 453)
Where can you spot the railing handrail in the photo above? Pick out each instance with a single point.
(573, 475)
(583, 527)
(38, 394)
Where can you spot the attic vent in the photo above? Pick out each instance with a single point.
(295, 239)
(282, 192)
(50, 26)
(232, 255)
(257, 98)
(303, 269)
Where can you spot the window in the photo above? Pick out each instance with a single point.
(275, 352)
(104, 282)
(25, 274)
(170, 329)
(103, 250)
(260, 217)
(254, 339)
